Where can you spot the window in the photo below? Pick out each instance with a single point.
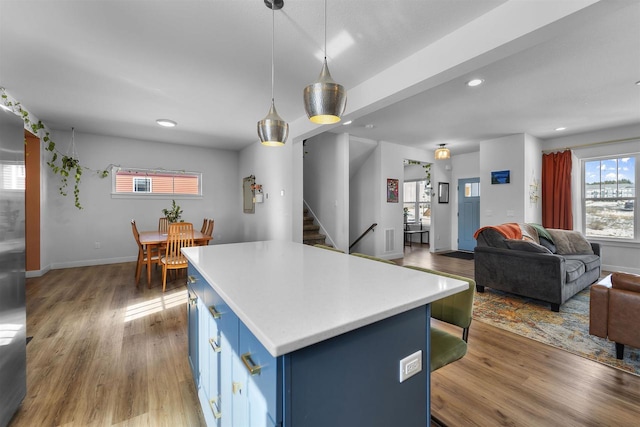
(416, 201)
(13, 176)
(148, 182)
(141, 185)
(610, 197)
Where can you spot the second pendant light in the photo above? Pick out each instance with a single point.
(325, 100)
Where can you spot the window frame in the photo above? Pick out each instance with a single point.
(417, 202)
(149, 173)
(585, 198)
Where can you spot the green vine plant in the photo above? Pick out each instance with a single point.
(60, 164)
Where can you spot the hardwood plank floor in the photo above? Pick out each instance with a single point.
(509, 380)
(105, 353)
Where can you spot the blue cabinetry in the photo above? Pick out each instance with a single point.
(236, 376)
(348, 380)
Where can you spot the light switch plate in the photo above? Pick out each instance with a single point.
(410, 365)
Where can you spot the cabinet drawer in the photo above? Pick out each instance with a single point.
(196, 282)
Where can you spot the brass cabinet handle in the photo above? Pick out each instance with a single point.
(250, 364)
(215, 313)
(192, 279)
(193, 300)
(213, 404)
(214, 345)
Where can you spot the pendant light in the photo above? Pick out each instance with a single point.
(442, 153)
(325, 100)
(273, 130)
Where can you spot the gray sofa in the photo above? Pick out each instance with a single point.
(526, 259)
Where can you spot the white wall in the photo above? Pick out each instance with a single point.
(326, 185)
(616, 255)
(500, 203)
(69, 235)
(364, 201)
(273, 169)
(532, 173)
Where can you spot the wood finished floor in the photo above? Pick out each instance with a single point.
(106, 353)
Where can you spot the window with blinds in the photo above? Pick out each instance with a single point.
(13, 176)
(141, 182)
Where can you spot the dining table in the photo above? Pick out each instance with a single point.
(154, 239)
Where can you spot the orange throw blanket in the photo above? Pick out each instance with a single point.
(510, 230)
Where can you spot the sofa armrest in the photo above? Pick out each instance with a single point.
(599, 310)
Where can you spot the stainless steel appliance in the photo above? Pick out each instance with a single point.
(13, 347)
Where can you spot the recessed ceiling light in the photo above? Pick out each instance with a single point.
(638, 83)
(475, 82)
(166, 123)
(347, 123)
(560, 128)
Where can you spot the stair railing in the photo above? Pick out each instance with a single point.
(367, 231)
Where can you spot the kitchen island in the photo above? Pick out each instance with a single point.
(285, 334)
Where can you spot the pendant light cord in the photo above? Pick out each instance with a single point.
(325, 30)
(273, 37)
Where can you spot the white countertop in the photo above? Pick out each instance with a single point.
(292, 295)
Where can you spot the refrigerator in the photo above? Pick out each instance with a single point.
(13, 346)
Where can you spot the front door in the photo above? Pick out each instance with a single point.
(468, 212)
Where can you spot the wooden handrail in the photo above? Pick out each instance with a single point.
(371, 227)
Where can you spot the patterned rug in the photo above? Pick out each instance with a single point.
(567, 330)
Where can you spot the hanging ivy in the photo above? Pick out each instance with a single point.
(64, 165)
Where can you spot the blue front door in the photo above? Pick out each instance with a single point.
(468, 212)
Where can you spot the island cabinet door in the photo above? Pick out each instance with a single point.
(255, 371)
(192, 324)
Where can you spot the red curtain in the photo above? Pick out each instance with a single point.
(556, 191)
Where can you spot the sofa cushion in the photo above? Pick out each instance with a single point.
(548, 244)
(529, 233)
(590, 261)
(570, 242)
(574, 268)
(542, 232)
(491, 237)
(527, 246)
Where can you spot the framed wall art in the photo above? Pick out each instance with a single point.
(443, 192)
(392, 190)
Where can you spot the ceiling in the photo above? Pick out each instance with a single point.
(114, 67)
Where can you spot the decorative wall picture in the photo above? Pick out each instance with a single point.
(500, 177)
(443, 192)
(248, 204)
(392, 190)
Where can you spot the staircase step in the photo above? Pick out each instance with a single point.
(310, 227)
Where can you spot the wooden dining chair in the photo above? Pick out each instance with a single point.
(207, 230)
(143, 254)
(180, 235)
(163, 225)
(205, 224)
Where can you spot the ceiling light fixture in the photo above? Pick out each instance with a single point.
(560, 128)
(325, 100)
(273, 130)
(442, 153)
(638, 83)
(166, 123)
(475, 82)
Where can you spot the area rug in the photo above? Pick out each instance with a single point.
(458, 254)
(567, 330)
